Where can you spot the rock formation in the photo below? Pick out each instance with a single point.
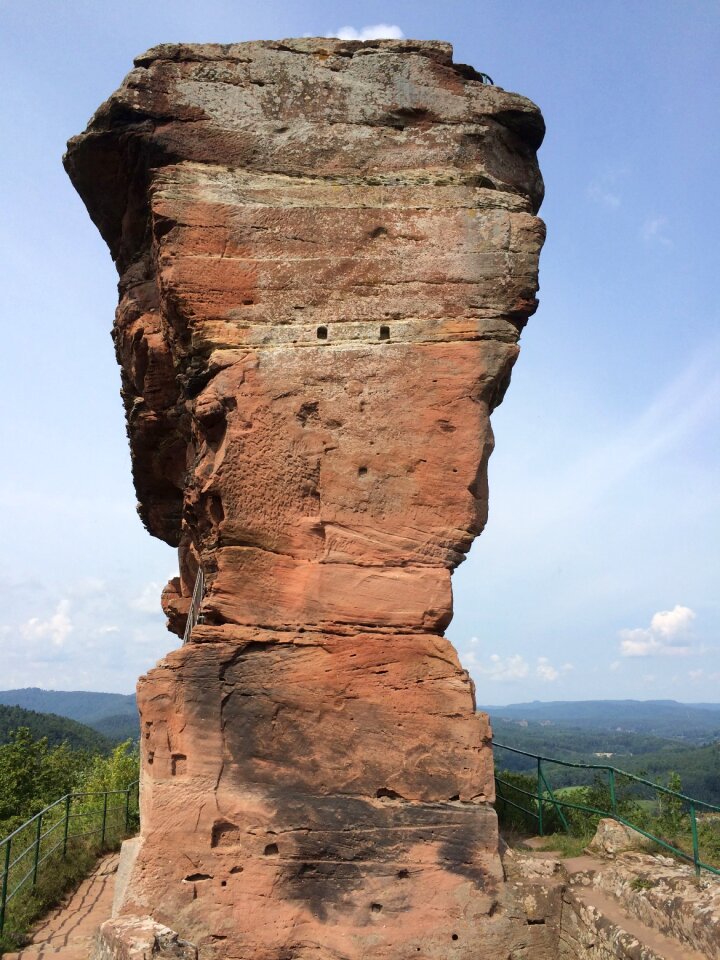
(327, 251)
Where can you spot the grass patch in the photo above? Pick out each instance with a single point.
(641, 883)
(567, 845)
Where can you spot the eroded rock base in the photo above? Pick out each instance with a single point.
(289, 809)
(634, 907)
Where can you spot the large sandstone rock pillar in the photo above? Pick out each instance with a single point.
(327, 251)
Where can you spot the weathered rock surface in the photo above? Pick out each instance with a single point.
(140, 938)
(613, 837)
(327, 251)
(639, 907)
(667, 895)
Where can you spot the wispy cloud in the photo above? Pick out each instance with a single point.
(700, 675)
(605, 189)
(602, 195)
(375, 31)
(685, 405)
(666, 635)
(148, 601)
(514, 667)
(654, 230)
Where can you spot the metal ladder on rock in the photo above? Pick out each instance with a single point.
(194, 615)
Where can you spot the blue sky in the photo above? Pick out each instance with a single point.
(599, 570)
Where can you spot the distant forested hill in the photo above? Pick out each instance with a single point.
(577, 743)
(118, 727)
(112, 714)
(642, 754)
(56, 729)
(694, 723)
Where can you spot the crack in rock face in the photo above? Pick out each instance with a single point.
(327, 251)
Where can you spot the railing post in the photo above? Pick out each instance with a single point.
(37, 849)
(4, 890)
(613, 796)
(104, 820)
(540, 797)
(127, 810)
(695, 843)
(66, 830)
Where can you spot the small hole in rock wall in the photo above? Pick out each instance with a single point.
(384, 333)
(376, 907)
(178, 764)
(223, 883)
(322, 333)
(455, 796)
(248, 303)
(271, 850)
(237, 869)
(403, 874)
(362, 471)
(454, 937)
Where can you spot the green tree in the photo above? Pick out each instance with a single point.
(115, 772)
(672, 808)
(21, 760)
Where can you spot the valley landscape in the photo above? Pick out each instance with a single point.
(652, 738)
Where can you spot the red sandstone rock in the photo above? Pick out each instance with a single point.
(327, 251)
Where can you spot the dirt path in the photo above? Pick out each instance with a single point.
(67, 931)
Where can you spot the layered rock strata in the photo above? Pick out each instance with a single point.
(327, 251)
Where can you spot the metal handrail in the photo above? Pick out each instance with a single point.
(35, 847)
(546, 796)
(194, 616)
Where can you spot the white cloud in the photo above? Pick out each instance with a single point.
(148, 601)
(375, 31)
(653, 231)
(56, 628)
(505, 670)
(666, 635)
(546, 671)
(513, 667)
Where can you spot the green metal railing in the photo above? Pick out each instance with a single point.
(107, 816)
(544, 799)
